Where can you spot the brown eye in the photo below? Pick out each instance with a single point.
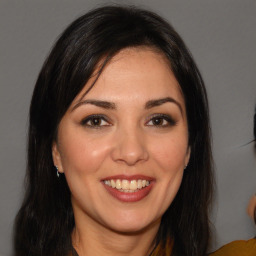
(95, 121)
(161, 120)
(158, 121)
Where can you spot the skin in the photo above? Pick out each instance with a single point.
(128, 141)
(251, 207)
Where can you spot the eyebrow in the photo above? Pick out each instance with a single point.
(110, 105)
(158, 102)
(98, 103)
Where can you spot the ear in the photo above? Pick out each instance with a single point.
(187, 156)
(56, 157)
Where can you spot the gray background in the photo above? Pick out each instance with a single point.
(221, 36)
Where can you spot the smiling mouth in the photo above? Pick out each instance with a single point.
(127, 186)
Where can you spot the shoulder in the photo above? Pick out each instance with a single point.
(239, 248)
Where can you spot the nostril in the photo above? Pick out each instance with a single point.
(130, 150)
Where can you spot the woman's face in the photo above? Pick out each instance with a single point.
(124, 145)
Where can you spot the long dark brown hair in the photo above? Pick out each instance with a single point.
(45, 220)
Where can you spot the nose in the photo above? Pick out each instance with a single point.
(130, 147)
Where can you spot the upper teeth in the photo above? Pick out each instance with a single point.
(127, 185)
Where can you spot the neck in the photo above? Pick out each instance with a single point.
(97, 240)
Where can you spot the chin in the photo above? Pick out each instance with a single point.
(130, 229)
(132, 225)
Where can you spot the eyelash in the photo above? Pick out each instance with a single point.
(162, 117)
(90, 118)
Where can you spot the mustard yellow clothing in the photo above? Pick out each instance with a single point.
(237, 248)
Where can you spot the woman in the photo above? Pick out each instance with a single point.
(242, 247)
(251, 209)
(118, 112)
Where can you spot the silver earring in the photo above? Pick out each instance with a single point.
(58, 174)
(185, 167)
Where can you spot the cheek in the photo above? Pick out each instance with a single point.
(82, 155)
(170, 155)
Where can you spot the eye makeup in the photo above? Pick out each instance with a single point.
(161, 120)
(95, 121)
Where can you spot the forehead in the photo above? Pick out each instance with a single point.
(140, 72)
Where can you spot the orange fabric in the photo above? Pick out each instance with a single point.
(237, 248)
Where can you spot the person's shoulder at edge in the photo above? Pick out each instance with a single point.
(239, 248)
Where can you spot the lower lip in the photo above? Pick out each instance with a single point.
(129, 197)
